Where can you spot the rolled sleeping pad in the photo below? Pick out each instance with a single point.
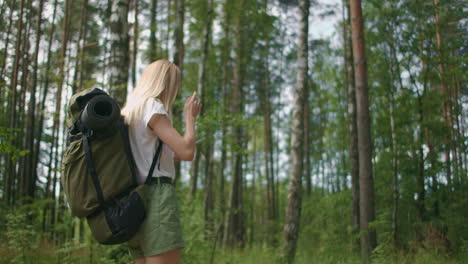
(99, 112)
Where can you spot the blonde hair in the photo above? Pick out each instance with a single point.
(161, 80)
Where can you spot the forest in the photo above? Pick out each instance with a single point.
(332, 131)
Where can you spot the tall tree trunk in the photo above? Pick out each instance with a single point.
(394, 75)
(80, 48)
(7, 41)
(119, 64)
(203, 148)
(224, 109)
(168, 24)
(234, 235)
(179, 34)
(265, 104)
(202, 91)
(394, 168)
(209, 195)
(153, 45)
(443, 86)
(136, 34)
(352, 125)
(25, 184)
(61, 77)
(293, 209)
(10, 177)
(43, 100)
(178, 58)
(366, 181)
(29, 172)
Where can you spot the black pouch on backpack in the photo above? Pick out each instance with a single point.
(120, 221)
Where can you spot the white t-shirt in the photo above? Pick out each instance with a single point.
(144, 143)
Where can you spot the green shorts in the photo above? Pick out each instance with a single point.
(161, 231)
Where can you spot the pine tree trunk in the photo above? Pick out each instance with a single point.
(224, 109)
(29, 170)
(80, 48)
(153, 46)
(366, 181)
(136, 34)
(178, 59)
(5, 51)
(179, 34)
(234, 235)
(443, 87)
(293, 209)
(11, 175)
(265, 95)
(43, 100)
(394, 74)
(120, 58)
(352, 125)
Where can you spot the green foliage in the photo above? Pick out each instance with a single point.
(21, 236)
(7, 135)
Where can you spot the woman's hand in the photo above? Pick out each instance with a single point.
(192, 106)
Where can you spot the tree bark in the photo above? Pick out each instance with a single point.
(366, 181)
(293, 209)
(119, 64)
(153, 45)
(76, 84)
(234, 235)
(29, 172)
(446, 101)
(224, 109)
(352, 125)
(9, 178)
(7, 41)
(178, 59)
(136, 34)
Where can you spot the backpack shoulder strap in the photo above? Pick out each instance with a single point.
(92, 170)
(153, 164)
(128, 152)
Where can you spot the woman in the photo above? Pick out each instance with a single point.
(148, 113)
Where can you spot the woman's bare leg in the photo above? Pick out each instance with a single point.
(140, 261)
(170, 257)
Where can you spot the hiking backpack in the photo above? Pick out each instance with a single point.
(98, 169)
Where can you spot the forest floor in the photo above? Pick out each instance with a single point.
(81, 254)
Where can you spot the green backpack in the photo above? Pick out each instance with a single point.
(98, 169)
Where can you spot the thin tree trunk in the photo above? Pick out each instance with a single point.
(61, 77)
(7, 41)
(234, 235)
(224, 110)
(43, 99)
(178, 59)
(179, 35)
(12, 120)
(366, 181)
(209, 196)
(252, 193)
(136, 34)
(168, 23)
(29, 172)
(394, 74)
(443, 86)
(153, 45)
(352, 125)
(26, 186)
(265, 95)
(80, 47)
(293, 209)
(120, 58)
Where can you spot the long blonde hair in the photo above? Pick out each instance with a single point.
(161, 80)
